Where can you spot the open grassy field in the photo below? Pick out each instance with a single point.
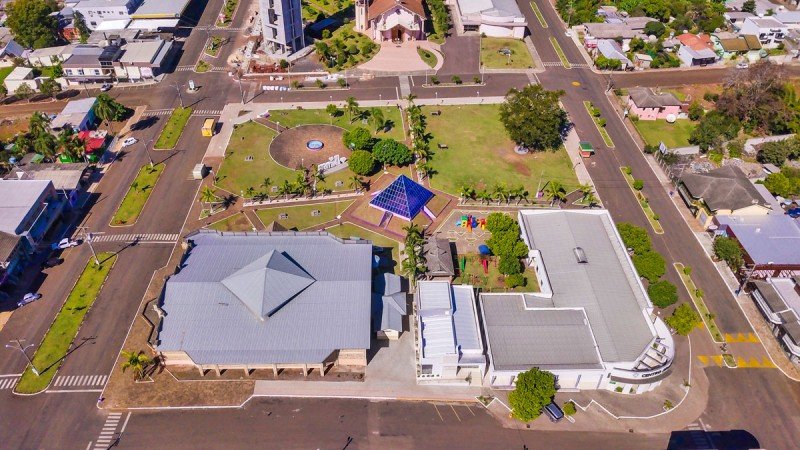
(300, 217)
(673, 135)
(481, 155)
(134, 201)
(172, 130)
(58, 340)
(294, 117)
(491, 58)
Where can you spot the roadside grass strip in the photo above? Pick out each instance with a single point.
(561, 55)
(600, 129)
(652, 217)
(539, 15)
(705, 314)
(57, 342)
(173, 129)
(137, 195)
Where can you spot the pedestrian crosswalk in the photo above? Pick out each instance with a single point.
(131, 237)
(158, 112)
(191, 68)
(552, 64)
(109, 432)
(207, 112)
(64, 381)
(8, 382)
(580, 66)
(572, 66)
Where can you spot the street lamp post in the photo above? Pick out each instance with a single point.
(22, 349)
(87, 236)
(178, 89)
(147, 151)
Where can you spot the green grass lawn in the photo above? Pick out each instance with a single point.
(705, 314)
(493, 281)
(202, 66)
(348, 230)
(169, 136)
(134, 201)
(600, 129)
(481, 155)
(294, 117)
(491, 58)
(300, 217)
(236, 222)
(59, 337)
(427, 56)
(673, 135)
(4, 72)
(539, 15)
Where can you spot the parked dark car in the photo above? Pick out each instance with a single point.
(554, 412)
(52, 262)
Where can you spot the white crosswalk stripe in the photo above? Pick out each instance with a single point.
(142, 238)
(207, 112)
(158, 112)
(552, 64)
(581, 66)
(107, 434)
(82, 381)
(572, 66)
(8, 382)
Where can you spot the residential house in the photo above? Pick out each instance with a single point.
(736, 18)
(696, 49)
(77, 114)
(778, 299)
(632, 27)
(9, 50)
(96, 12)
(28, 210)
(143, 60)
(647, 105)
(770, 31)
(439, 258)
(769, 242)
(19, 76)
(50, 56)
(494, 18)
(89, 64)
(789, 18)
(611, 50)
(723, 191)
(391, 20)
(389, 305)
(730, 45)
(285, 300)
(281, 27)
(448, 334)
(591, 324)
(642, 61)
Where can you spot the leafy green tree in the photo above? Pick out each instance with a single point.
(50, 87)
(662, 293)
(362, 162)
(749, 6)
(358, 138)
(80, 24)
(352, 109)
(604, 63)
(3, 91)
(23, 91)
(650, 265)
(332, 110)
(696, 111)
(107, 109)
(139, 362)
(534, 389)
(635, 238)
(376, 119)
(389, 151)
(656, 29)
(499, 222)
(775, 152)
(780, 184)
(728, 250)
(533, 117)
(509, 265)
(515, 280)
(684, 319)
(755, 98)
(31, 22)
(555, 192)
(714, 128)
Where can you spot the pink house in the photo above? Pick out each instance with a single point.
(648, 105)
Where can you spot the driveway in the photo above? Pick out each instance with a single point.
(396, 58)
(461, 55)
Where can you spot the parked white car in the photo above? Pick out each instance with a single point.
(65, 243)
(742, 65)
(130, 141)
(30, 297)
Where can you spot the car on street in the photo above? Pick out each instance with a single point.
(130, 141)
(106, 87)
(30, 297)
(52, 262)
(65, 243)
(568, 33)
(742, 65)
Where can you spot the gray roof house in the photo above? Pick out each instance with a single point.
(591, 323)
(389, 305)
(268, 300)
(721, 191)
(770, 242)
(439, 258)
(611, 50)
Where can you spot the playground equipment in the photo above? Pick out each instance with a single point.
(471, 222)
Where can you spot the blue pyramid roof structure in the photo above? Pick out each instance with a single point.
(404, 198)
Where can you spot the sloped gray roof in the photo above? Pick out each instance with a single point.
(439, 257)
(768, 239)
(646, 98)
(521, 338)
(17, 198)
(723, 188)
(606, 287)
(771, 296)
(8, 242)
(389, 302)
(214, 312)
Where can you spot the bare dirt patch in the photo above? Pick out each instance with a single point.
(289, 148)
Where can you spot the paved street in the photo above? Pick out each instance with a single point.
(761, 401)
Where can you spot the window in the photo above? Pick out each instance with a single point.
(80, 71)
(97, 71)
(68, 71)
(427, 369)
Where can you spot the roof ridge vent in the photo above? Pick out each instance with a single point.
(580, 255)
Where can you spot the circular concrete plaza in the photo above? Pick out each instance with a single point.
(290, 148)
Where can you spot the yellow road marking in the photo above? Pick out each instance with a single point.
(752, 338)
(437, 412)
(703, 359)
(717, 359)
(741, 362)
(576, 83)
(754, 362)
(454, 412)
(729, 338)
(768, 364)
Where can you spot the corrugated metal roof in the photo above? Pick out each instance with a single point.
(17, 198)
(768, 239)
(468, 337)
(207, 321)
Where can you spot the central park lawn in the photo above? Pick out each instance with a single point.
(481, 155)
(673, 135)
(300, 217)
(253, 139)
(493, 59)
(62, 332)
(294, 117)
(134, 201)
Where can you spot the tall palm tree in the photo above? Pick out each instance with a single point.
(410, 98)
(525, 195)
(137, 361)
(69, 144)
(106, 108)
(351, 106)
(585, 190)
(377, 119)
(208, 196)
(250, 192)
(45, 145)
(591, 200)
(39, 124)
(266, 183)
(467, 192)
(555, 192)
(500, 193)
(485, 196)
(356, 183)
(318, 177)
(286, 189)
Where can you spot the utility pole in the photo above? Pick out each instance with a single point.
(147, 151)
(241, 91)
(178, 88)
(22, 349)
(87, 236)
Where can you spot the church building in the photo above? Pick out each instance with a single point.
(391, 20)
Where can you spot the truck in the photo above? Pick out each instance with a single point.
(585, 149)
(209, 127)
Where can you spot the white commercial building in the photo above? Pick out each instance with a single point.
(96, 12)
(770, 31)
(591, 323)
(281, 26)
(494, 18)
(448, 335)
